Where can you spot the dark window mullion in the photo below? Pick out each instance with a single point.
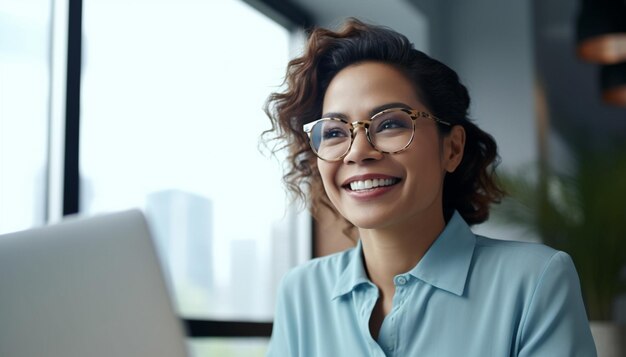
(71, 178)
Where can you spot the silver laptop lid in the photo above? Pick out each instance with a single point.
(86, 287)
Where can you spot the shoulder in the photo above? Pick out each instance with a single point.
(513, 253)
(330, 265)
(318, 273)
(522, 263)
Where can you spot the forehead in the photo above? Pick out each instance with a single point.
(367, 85)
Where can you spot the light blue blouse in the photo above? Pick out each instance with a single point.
(468, 296)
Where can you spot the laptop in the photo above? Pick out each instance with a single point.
(86, 287)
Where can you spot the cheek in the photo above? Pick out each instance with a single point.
(327, 172)
(426, 162)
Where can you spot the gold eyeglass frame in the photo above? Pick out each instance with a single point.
(413, 113)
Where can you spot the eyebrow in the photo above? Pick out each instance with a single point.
(373, 111)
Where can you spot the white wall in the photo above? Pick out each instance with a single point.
(400, 15)
(490, 44)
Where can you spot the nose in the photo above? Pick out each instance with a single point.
(361, 149)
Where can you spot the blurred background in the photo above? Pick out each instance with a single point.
(107, 105)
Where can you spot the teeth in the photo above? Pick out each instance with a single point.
(368, 184)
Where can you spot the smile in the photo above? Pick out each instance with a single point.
(362, 185)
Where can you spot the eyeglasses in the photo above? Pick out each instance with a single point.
(390, 131)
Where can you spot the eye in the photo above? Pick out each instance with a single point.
(331, 130)
(391, 122)
(333, 133)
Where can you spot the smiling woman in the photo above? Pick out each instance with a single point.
(416, 170)
(379, 133)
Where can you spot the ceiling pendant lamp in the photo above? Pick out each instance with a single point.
(609, 49)
(613, 83)
(601, 31)
(601, 39)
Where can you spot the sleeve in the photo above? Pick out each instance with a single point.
(283, 340)
(556, 322)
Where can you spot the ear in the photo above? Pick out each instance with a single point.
(454, 145)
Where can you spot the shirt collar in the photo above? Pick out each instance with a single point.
(447, 262)
(445, 265)
(353, 275)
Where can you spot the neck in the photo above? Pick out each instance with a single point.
(395, 250)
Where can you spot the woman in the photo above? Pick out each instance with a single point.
(378, 132)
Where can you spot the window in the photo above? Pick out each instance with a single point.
(171, 114)
(24, 100)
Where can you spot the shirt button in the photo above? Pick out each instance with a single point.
(400, 280)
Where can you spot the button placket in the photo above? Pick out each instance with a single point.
(401, 282)
(364, 305)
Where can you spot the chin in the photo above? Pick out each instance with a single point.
(368, 222)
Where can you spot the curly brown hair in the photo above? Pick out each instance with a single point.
(470, 189)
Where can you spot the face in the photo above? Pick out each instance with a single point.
(410, 182)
